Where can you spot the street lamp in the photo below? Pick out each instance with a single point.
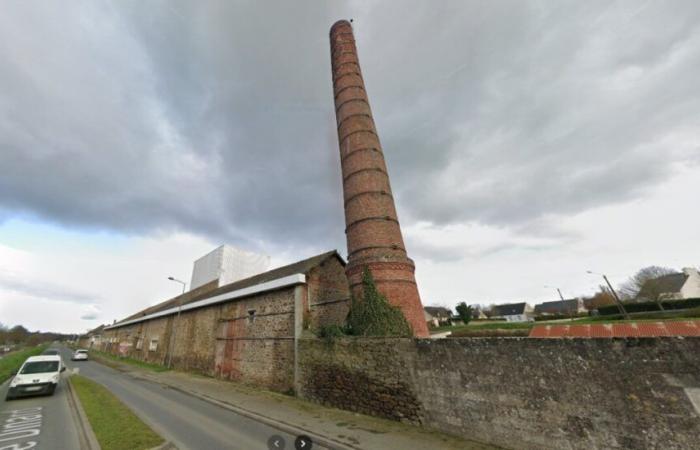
(571, 313)
(177, 320)
(620, 306)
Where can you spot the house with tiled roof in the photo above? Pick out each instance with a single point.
(513, 312)
(560, 307)
(438, 315)
(675, 286)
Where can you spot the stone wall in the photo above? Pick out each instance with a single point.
(328, 294)
(518, 392)
(249, 339)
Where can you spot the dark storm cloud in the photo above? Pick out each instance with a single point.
(217, 117)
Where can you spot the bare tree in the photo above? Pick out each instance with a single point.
(648, 279)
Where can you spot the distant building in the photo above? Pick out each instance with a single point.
(92, 338)
(513, 312)
(430, 320)
(439, 316)
(478, 313)
(226, 264)
(560, 307)
(676, 286)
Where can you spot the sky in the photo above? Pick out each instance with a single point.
(527, 142)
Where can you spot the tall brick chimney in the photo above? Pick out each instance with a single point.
(371, 224)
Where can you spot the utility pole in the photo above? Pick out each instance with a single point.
(620, 306)
(571, 313)
(173, 335)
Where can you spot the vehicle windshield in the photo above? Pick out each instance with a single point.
(39, 367)
(81, 351)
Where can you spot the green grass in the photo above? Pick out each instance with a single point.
(503, 326)
(12, 361)
(474, 327)
(115, 426)
(126, 360)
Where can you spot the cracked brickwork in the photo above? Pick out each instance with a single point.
(372, 227)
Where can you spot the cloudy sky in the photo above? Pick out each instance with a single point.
(527, 142)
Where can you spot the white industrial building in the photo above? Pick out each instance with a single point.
(227, 264)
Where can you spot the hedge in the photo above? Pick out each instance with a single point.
(650, 306)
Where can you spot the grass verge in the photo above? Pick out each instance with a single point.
(115, 426)
(106, 357)
(13, 361)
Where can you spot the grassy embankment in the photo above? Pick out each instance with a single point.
(12, 361)
(106, 358)
(115, 426)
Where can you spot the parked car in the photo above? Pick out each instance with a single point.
(80, 355)
(38, 375)
(51, 351)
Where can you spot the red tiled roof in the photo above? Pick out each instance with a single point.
(608, 330)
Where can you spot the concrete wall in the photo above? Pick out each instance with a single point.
(518, 392)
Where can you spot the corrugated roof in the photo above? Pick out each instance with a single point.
(303, 266)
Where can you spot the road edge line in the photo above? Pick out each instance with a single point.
(274, 423)
(88, 440)
(282, 426)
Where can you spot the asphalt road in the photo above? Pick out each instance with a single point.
(46, 420)
(188, 422)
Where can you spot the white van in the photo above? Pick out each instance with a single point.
(38, 375)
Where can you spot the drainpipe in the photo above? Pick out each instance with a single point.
(298, 329)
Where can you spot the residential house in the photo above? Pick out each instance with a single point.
(513, 312)
(478, 313)
(560, 307)
(676, 286)
(430, 320)
(439, 316)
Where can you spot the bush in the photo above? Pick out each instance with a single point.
(331, 331)
(373, 315)
(559, 316)
(465, 312)
(650, 306)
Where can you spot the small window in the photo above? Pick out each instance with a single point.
(139, 344)
(251, 315)
(153, 346)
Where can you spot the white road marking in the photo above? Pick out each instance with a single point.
(21, 425)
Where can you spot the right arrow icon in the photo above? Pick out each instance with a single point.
(303, 443)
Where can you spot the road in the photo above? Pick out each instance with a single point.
(188, 422)
(47, 420)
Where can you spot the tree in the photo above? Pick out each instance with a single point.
(17, 334)
(373, 315)
(648, 279)
(464, 312)
(601, 298)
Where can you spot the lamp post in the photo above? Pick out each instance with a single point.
(571, 313)
(620, 306)
(177, 320)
